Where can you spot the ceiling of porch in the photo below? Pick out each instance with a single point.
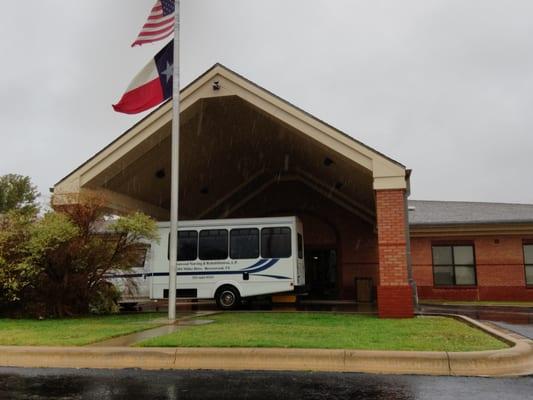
(229, 149)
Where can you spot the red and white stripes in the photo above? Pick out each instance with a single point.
(158, 26)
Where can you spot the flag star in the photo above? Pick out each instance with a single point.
(168, 71)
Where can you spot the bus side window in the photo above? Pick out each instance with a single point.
(140, 255)
(213, 244)
(300, 246)
(244, 243)
(187, 246)
(276, 242)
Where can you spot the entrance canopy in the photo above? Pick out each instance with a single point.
(237, 140)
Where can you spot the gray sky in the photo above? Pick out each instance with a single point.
(443, 86)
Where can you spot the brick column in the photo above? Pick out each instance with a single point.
(394, 293)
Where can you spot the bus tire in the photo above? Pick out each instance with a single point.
(227, 297)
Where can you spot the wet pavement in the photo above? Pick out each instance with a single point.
(131, 384)
(129, 340)
(323, 305)
(510, 315)
(523, 330)
(133, 338)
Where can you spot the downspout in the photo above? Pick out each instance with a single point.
(410, 277)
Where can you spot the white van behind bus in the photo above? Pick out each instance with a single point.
(228, 259)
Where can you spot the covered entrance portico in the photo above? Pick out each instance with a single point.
(247, 153)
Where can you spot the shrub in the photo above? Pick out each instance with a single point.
(58, 264)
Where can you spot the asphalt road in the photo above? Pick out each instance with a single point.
(38, 384)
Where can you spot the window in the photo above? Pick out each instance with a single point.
(275, 242)
(528, 261)
(300, 246)
(213, 244)
(139, 255)
(187, 245)
(454, 265)
(244, 243)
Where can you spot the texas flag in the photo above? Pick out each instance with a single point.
(151, 86)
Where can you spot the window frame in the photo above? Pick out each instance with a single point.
(454, 265)
(526, 265)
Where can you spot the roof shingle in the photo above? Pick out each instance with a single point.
(423, 212)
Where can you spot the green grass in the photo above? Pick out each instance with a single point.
(73, 331)
(330, 331)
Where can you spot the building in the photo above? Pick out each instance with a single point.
(472, 251)
(244, 152)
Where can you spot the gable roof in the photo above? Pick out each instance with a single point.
(441, 213)
(385, 168)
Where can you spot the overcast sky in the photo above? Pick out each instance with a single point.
(443, 86)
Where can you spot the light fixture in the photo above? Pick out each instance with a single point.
(160, 173)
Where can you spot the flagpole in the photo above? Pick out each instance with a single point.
(174, 175)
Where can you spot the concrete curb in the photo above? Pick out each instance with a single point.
(515, 361)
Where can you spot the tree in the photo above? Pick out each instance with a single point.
(17, 193)
(58, 264)
(76, 246)
(16, 274)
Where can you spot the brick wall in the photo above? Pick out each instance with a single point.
(394, 293)
(360, 252)
(499, 269)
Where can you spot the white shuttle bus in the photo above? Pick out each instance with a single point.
(225, 260)
(230, 259)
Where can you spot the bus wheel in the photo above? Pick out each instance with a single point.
(227, 298)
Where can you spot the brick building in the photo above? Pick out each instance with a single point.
(245, 152)
(472, 251)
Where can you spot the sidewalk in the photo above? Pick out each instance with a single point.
(506, 314)
(525, 331)
(129, 340)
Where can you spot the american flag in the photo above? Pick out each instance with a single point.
(160, 23)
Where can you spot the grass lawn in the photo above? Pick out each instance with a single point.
(330, 331)
(74, 331)
(479, 303)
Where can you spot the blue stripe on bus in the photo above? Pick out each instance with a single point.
(264, 266)
(111, 276)
(262, 261)
(273, 276)
(257, 267)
